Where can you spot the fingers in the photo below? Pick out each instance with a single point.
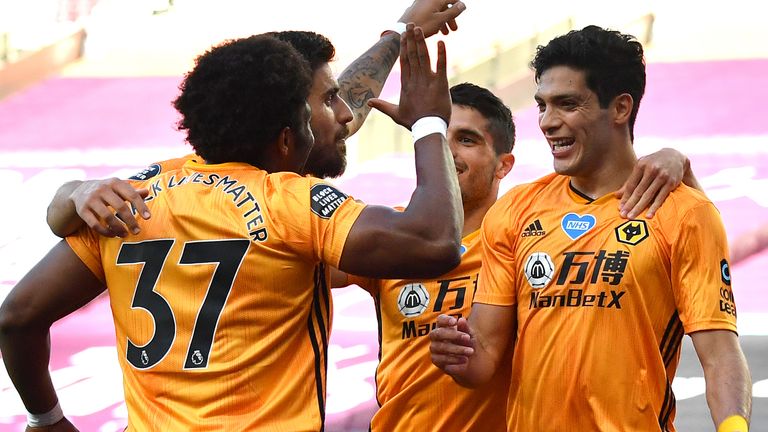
(446, 321)
(421, 50)
(442, 62)
(661, 196)
(635, 191)
(449, 347)
(641, 198)
(411, 51)
(450, 13)
(94, 223)
(124, 194)
(385, 107)
(452, 25)
(405, 63)
(106, 206)
(649, 192)
(462, 325)
(450, 342)
(96, 213)
(628, 188)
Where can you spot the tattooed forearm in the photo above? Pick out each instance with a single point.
(365, 77)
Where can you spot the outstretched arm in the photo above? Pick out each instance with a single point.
(42, 297)
(729, 386)
(424, 239)
(364, 78)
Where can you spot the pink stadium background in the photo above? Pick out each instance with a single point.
(77, 128)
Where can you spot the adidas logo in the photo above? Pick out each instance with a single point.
(534, 230)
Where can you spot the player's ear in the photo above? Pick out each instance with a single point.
(506, 162)
(622, 108)
(285, 142)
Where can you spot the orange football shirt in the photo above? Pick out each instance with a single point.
(412, 393)
(157, 168)
(602, 303)
(221, 304)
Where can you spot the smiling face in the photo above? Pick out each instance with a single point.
(579, 132)
(478, 166)
(330, 115)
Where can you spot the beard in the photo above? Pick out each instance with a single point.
(331, 166)
(328, 161)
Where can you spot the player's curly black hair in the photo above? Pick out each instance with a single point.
(240, 95)
(501, 125)
(613, 63)
(314, 47)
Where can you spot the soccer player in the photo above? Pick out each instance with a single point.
(105, 205)
(412, 393)
(593, 306)
(221, 303)
(99, 201)
(481, 136)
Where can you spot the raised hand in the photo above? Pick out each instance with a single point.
(434, 15)
(423, 92)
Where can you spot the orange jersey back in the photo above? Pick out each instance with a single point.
(413, 394)
(221, 303)
(157, 168)
(602, 302)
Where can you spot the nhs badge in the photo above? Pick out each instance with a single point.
(576, 226)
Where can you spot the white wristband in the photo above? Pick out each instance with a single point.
(429, 125)
(51, 417)
(398, 27)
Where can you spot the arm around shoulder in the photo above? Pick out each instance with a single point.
(103, 205)
(61, 216)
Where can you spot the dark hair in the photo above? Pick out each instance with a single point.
(315, 48)
(613, 63)
(501, 125)
(239, 97)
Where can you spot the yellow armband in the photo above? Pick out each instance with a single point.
(734, 423)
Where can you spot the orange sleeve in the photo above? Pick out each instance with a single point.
(496, 284)
(316, 216)
(85, 244)
(701, 278)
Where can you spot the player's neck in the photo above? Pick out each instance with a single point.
(475, 212)
(609, 176)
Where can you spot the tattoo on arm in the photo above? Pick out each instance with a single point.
(365, 77)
